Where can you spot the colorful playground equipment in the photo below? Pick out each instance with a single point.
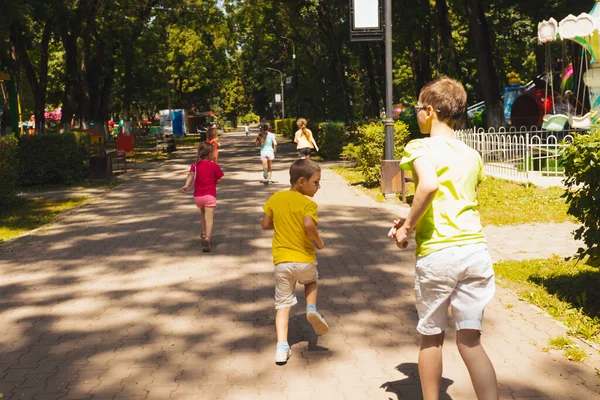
(583, 30)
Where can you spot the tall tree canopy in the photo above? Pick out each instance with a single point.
(130, 58)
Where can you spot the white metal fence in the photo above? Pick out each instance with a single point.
(522, 155)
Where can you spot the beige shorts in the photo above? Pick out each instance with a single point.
(461, 276)
(286, 276)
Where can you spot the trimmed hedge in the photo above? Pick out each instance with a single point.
(53, 158)
(581, 161)
(368, 153)
(8, 168)
(331, 138)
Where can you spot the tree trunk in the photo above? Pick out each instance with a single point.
(332, 43)
(446, 34)
(71, 80)
(420, 62)
(488, 78)
(38, 87)
(373, 98)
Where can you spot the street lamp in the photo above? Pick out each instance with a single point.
(281, 84)
(296, 83)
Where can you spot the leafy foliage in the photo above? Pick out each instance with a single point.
(53, 158)
(581, 161)
(371, 145)
(331, 139)
(8, 168)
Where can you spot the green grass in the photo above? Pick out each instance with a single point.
(27, 214)
(507, 203)
(560, 342)
(355, 178)
(151, 156)
(565, 289)
(500, 202)
(188, 141)
(575, 354)
(85, 184)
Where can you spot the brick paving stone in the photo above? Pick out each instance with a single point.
(116, 300)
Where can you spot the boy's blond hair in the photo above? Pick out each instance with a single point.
(447, 96)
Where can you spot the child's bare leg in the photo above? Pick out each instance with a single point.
(203, 220)
(282, 318)
(478, 363)
(270, 169)
(312, 315)
(210, 213)
(430, 365)
(265, 165)
(310, 291)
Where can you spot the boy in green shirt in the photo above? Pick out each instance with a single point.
(453, 263)
(293, 217)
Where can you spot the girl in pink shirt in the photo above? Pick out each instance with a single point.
(205, 174)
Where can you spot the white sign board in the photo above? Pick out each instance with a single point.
(277, 98)
(366, 14)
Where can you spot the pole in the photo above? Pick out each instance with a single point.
(389, 121)
(282, 102)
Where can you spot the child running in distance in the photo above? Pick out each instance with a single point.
(304, 139)
(205, 174)
(212, 138)
(268, 147)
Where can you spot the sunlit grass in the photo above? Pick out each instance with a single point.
(500, 202)
(565, 289)
(27, 214)
(507, 203)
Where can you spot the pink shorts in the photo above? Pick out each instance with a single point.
(205, 201)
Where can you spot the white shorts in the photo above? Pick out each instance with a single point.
(287, 274)
(267, 155)
(460, 276)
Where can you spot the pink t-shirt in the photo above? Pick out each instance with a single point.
(207, 175)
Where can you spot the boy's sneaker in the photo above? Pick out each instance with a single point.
(318, 322)
(281, 356)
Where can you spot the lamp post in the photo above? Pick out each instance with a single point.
(296, 83)
(281, 84)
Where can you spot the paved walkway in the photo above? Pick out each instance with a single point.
(117, 301)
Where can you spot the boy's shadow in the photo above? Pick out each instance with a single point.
(410, 387)
(300, 330)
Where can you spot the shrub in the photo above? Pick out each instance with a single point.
(8, 168)
(249, 118)
(581, 161)
(53, 158)
(278, 126)
(371, 146)
(331, 139)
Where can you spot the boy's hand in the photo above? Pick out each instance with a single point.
(320, 245)
(185, 189)
(397, 224)
(400, 233)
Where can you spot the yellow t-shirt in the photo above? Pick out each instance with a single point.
(290, 242)
(452, 218)
(302, 141)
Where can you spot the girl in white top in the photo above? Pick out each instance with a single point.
(304, 139)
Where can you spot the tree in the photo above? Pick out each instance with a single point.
(488, 78)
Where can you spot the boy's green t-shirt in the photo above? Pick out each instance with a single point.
(452, 218)
(291, 243)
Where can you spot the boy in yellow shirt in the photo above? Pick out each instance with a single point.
(453, 266)
(293, 217)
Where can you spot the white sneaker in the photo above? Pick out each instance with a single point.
(318, 322)
(281, 356)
